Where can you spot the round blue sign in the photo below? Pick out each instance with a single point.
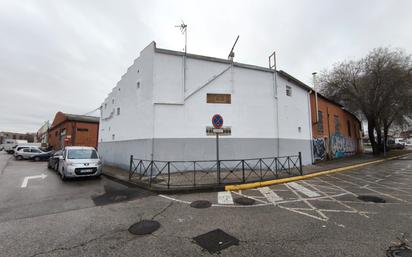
(217, 121)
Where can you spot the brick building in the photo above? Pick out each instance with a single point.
(73, 130)
(336, 132)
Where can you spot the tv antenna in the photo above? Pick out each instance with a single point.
(232, 54)
(183, 29)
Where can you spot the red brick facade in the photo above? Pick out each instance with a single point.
(73, 130)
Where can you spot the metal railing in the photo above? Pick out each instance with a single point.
(169, 174)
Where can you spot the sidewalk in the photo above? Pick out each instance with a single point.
(158, 185)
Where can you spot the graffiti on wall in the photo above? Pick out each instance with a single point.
(342, 146)
(319, 148)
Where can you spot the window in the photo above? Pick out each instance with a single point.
(82, 129)
(82, 154)
(113, 137)
(219, 99)
(105, 106)
(138, 84)
(57, 132)
(349, 132)
(288, 90)
(138, 70)
(118, 110)
(320, 122)
(337, 124)
(112, 101)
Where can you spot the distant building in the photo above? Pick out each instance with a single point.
(30, 137)
(163, 105)
(73, 130)
(42, 134)
(336, 131)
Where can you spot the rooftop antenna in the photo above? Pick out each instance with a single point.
(183, 29)
(232, 54)
(316, 96)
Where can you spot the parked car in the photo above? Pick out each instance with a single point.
(79, 161)
(54, 160)
(26, 152)
(41, 156)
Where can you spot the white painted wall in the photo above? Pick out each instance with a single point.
(163, 108)
(136, 105)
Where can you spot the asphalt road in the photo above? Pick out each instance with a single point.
(316, 217)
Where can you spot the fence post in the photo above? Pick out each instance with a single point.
(276, 167)
(288, 158)
(260, 168)
(300, 163)
(151, 173)
(194, 173)
(243, 171)
(130, 167)
(168, 175)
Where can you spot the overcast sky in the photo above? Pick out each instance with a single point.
(67, 55)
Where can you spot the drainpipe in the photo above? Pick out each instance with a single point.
(310, 129)
(316, 97)
(275, 94)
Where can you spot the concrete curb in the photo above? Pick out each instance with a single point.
(312, 175)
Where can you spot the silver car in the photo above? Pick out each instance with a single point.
(26, 152)
(79, 161)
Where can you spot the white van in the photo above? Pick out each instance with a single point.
(10, 144)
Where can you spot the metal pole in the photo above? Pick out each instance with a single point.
(217, 158)
(300, 163)
(130, 167)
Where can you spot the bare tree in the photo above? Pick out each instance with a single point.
(379, 87)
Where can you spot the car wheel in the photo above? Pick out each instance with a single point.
(19, 157)
(36, 159)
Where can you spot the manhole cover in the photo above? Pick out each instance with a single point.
(371, 198)
(399, 252)
(201, 204)
(144, 227)
(244, 201)
(215, 241)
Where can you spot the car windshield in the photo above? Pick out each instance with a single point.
(82, 154)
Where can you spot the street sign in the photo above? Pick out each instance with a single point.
(224, 131)
(217, 121)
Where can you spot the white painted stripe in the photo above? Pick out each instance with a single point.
(270, 195)
(25, 181)
(224, 197)
(303, 189)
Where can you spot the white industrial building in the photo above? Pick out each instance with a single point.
(163, 104)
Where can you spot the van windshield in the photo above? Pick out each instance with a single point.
(82, 154)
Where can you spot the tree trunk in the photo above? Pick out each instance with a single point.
(385, 137)
(371, 134)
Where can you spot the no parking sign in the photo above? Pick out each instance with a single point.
(217, 121)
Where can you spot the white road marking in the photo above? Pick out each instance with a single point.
(270, 195)
(26, 179)
(302, 189)
(224, 197)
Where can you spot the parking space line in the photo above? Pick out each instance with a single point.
(270, 195)
(370, 189)
(224, 197)
(303, 189)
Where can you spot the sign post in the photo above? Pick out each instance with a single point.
(217, 122)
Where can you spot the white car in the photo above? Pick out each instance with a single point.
(79, 161)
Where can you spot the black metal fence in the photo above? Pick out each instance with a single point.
(172, 174)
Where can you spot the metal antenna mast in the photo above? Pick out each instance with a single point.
(183, 29)
(232, 54)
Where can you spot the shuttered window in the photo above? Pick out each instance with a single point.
(219, 99)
